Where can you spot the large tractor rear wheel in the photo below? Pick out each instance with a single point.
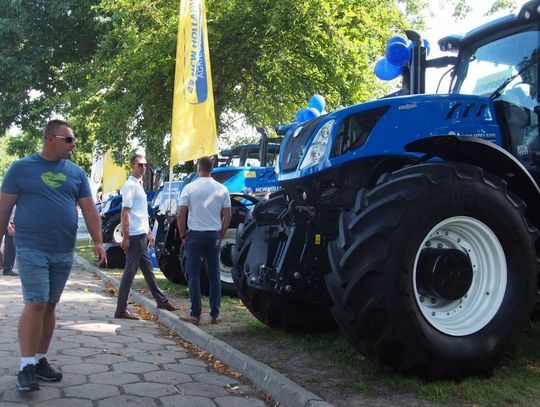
(434, 271)
(273, 309)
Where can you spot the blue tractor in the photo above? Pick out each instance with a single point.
(246, 183)
(411, 221)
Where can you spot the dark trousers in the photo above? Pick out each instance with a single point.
(202, 246)
(9, 253)
(137, 256)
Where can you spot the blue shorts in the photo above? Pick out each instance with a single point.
(43, 274)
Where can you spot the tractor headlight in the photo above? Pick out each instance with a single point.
(317, 148)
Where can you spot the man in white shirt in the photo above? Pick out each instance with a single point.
(137, 236)
(208, 207)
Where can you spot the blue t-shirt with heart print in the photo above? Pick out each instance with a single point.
(48, 192)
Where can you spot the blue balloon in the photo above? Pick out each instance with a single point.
(398, 54)
(317, 102)
(386, 71)
(395, 39)
(312, 113)
(301, 115)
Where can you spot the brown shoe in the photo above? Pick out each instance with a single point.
(126, 315)
(216, 320)
(190, 318)
(168, 306)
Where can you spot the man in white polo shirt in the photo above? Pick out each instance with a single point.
(137, 236)
(209, 216)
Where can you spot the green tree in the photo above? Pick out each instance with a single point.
(267, 58)
(280, 52)
(37, 38)
(463, 7)
(5, 157)
(108, 66)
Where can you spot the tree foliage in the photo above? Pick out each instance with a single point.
(38, 37)
(108, 65)
(463, 7)
(5, 157)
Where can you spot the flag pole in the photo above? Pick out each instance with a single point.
(169, 209)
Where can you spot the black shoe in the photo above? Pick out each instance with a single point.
(44, 371)
(26, 379)
(9, 273)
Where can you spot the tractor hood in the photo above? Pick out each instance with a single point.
(382, 128)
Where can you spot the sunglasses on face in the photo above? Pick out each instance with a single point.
(142, 165)
(67, 139)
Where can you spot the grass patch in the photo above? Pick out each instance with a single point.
(85, 249)
(516, 381)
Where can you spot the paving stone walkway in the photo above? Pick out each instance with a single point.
(111, 362)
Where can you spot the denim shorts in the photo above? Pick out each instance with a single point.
(43, 274)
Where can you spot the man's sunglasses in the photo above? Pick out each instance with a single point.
(67, 139)
(142, 165)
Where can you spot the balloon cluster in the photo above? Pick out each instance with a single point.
(315, 108)
(398, 55)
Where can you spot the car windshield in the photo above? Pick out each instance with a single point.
(505, 68)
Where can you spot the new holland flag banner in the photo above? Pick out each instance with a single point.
(193, 132)
(114, 176)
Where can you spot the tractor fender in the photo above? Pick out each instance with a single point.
(489, 157)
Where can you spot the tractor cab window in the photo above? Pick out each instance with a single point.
(506, 70)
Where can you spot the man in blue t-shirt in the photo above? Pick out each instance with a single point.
(46, 188)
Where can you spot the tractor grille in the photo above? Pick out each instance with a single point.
(224, 176)
(466, 110)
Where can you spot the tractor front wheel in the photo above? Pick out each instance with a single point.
(434, 271)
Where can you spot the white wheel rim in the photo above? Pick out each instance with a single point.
(117, 234)
(479, 305)
(226, 271)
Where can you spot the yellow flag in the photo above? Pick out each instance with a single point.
(193, 132)
(114, 176)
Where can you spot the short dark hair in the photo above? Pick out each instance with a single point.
(134, 157)
(53, 125)
(206, 164)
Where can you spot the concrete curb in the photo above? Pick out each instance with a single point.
(264, 377)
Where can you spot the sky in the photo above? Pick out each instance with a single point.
(441, 24)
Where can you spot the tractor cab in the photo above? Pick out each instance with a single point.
(503, 66)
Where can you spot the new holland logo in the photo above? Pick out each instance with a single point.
(195, 69)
